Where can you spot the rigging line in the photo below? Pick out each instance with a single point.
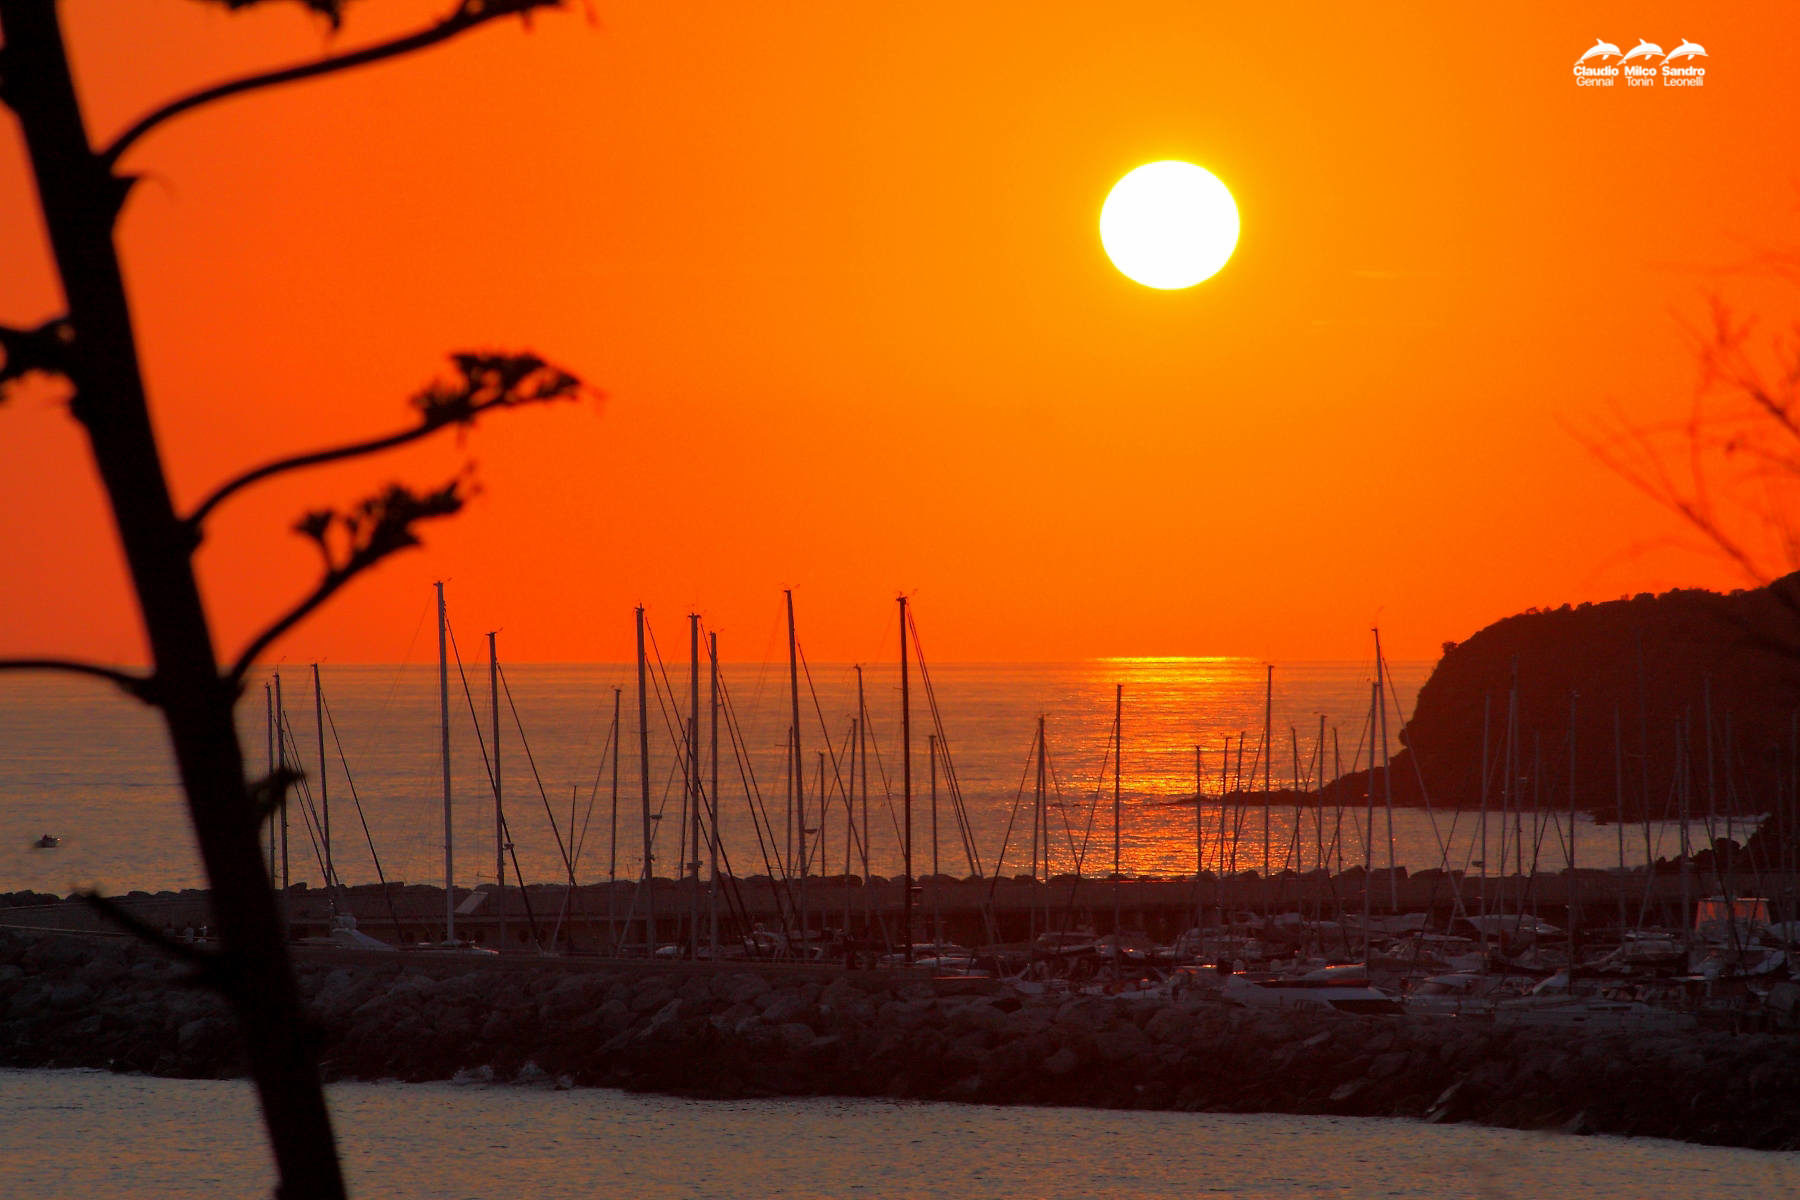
(837, 772)
(754, 802)
(555, 830)
(1062, 807)
(746, 775)
(673, 724)
(1012, 818)
(759, 813)
(1444, 842)
(954, 782)
(1087, 836)
(475, 721)
(887, 787)
(386, 893)
(309, 815)
(610, 748)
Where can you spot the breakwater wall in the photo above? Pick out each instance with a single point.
(736, 1031)
(595, 918)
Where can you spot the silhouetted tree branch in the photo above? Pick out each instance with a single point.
(468, 15)
(489, 381)
(379, 526)
(139, 687)
(95, 348)
(43, 350)
(1731, 468)
(206, 963)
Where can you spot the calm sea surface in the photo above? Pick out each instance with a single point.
(94, 769)
(72, 1135)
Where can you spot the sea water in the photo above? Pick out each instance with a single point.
(72, 1135)
(94, 768)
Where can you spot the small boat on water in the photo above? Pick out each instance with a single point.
(48, 842)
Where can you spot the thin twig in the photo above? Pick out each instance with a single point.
(301, 461)
(468, 15)
(139, 687)
(208, 965)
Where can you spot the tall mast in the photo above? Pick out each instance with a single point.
(695, 790)
(612, 861)
(444, 739)
(905, 791)
(850, 814)
(1040, 840)
(1387, 781)
(324, 794)
(1199, 845)
(1118, 823)
(1268, 752)
(799, 768)
(499, 812)
(281, 759)
(1369, 822)
(937, 900)
(712, 891)
(1619, 804)
(649, 875)
(1487, 707)
(862, 755)
(1574, 879)
(274, 763)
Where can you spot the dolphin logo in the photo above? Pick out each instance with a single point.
(1687, 49)
(1643, 50)
(1601, 49)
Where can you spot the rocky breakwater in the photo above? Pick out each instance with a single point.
(738, 1032)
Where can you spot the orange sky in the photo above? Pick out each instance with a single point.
(837, 271)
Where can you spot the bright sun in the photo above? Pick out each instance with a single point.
(1169, 224)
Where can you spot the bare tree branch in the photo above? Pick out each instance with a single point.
(468, 15)
(209, 965)
(44, 350)
(139, 687)
(268, 795)
(378, 527)
(489, 381)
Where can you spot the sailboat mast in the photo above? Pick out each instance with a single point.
(1574, 880)
(1369, 822)
(1487, 709)
(799, 768)
(281, 759)
(905, 791)
(712, 891)
(937, 900)
(862, 754)
(444, 746)
(1040, 835)
(649, 876)
(695, 790)
(499, 812)
(612, 841)
(1199, 844)
(1268, 753)
(1118, 823)
(274, 764)
(324, 795)
(1387, 780)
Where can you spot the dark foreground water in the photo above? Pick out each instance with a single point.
(84, 1134)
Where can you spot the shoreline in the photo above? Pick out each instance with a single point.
(737, 1031)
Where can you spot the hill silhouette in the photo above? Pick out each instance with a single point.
(1659, 664)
